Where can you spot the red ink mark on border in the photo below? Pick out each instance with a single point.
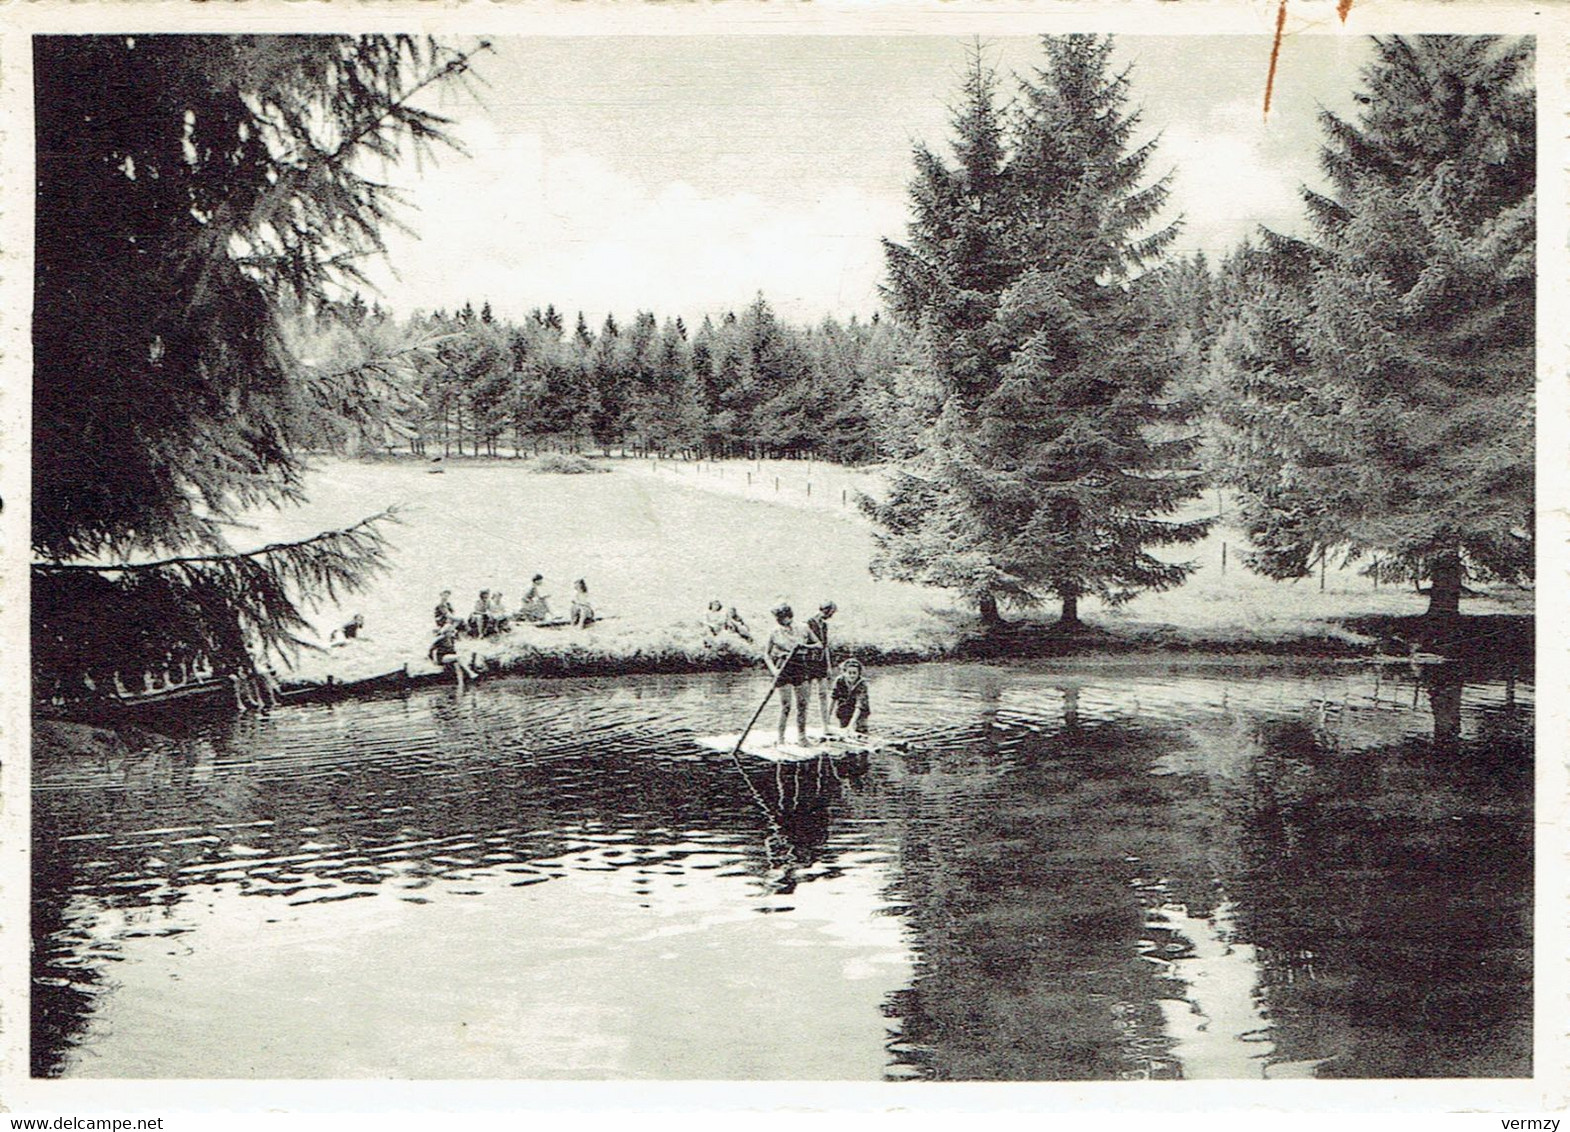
(1275, 51)
(1342, 8)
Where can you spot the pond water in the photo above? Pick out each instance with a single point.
(1074, 871)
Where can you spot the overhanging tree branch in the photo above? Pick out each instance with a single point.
(357, 530)
(229, 612)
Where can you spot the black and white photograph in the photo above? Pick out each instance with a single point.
(876, 553)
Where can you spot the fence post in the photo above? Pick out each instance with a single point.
(749, 479)
(842, 497)
(776, 483)
(1321, 571)
(1223, 558)
(809, 487)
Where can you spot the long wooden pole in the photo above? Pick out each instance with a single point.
(775, 683)
(735, 752)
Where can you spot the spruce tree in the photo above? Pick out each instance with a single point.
(609, 378)
(202, 195)
(1030, 281)
(1382, 370)
(945, 283)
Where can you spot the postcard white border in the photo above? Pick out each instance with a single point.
(383, 1103)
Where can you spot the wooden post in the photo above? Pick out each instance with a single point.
(776, 483)
(749, 479)
(842, 497)
(1223, 558)
(809, 487)
(1321, 571)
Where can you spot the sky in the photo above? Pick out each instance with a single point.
(683, 175)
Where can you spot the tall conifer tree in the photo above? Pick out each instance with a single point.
(1028, 277)
(1381, 372)
(207, 195)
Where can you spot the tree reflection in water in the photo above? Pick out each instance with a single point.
(1096, 876)
(1389, 889)
(1019, 879)
(1380, 880)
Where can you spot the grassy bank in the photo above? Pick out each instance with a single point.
(653, 551)
(657, 541)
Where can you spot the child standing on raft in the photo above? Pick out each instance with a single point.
(786, 655)
(819, 662)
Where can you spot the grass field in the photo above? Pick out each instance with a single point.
(656, 542)
(653, 551)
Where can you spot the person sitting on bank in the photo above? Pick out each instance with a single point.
(735, 624)
(719, 622)
(444, 610)
(444, 652)
(582, 613)
(348, 631)
(852, 704)
(480, 618)
(500, 620)
(536, 607)
(785, 653)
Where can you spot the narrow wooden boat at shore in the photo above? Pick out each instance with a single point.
(212, 694)
(398, 680)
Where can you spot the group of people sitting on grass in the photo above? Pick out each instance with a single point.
(491, 618)
(490, 615)
(801, 659)
(719, 621)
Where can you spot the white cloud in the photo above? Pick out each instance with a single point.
(627, 183)
(1227, 183)
(521, 227)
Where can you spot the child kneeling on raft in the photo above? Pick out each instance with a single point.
(852, 705)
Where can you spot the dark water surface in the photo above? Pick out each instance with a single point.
(1077, 871)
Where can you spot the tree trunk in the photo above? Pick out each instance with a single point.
(1444, 697)
(1070, 610)
(1444, 594)
(990, 617)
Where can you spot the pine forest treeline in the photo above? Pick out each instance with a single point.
(745, 384)
(1054, 390)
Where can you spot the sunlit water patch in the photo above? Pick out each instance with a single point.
(1069, 871)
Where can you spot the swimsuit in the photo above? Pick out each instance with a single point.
(818, 655)
(851, 702)
(793, 671)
